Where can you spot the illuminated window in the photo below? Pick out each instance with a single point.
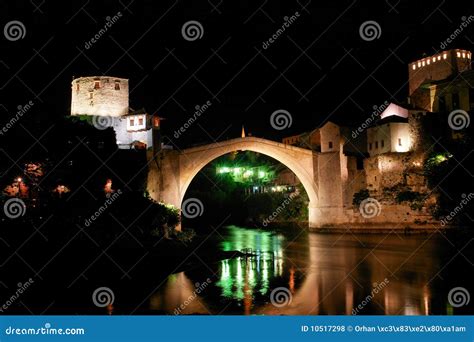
(428, 62)
(330, 144)
(140, 121)
(117, 85)
(96, 85)
(445, 56)
(399, 142)
(463, 55)
(132, 122)
(414, 66)
(419, 64)
(423, 63)
(434, 59)
(468, 55)
(458, 54)
(376, 145)
(439, 58)
(382, 143)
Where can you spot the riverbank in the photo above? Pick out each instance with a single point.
(369, 228)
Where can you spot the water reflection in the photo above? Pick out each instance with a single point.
(326, 274)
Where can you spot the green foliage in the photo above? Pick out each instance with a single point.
(185, 236)
(360, 196)
(435, 167)
(415, 199)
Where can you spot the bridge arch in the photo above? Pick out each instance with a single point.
(298, 160)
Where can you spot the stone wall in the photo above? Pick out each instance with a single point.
(330, 134)
(437, 67)
(99, 95)
(387, 170)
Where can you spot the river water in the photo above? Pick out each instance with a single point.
(299, 273)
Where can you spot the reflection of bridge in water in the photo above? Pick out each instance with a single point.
(323, 279)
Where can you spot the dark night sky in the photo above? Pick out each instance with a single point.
(319, 68)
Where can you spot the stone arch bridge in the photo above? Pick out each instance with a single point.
(171, 173)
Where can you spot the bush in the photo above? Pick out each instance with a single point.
(360, 196)
(415, 199)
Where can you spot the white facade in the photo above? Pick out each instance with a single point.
(389, 137)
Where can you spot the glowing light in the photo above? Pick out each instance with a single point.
(248, 173)
(458, 54)
(261, 174)
(434, 59)
(463, 55)
(19, 179)
(224, 169)
(445, 56)
(414, 67)
(439, 58)
(419, 64)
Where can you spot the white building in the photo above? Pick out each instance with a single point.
(107, 98)
(391, 133)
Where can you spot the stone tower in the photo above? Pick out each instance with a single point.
(99, 95)
(430, 69)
